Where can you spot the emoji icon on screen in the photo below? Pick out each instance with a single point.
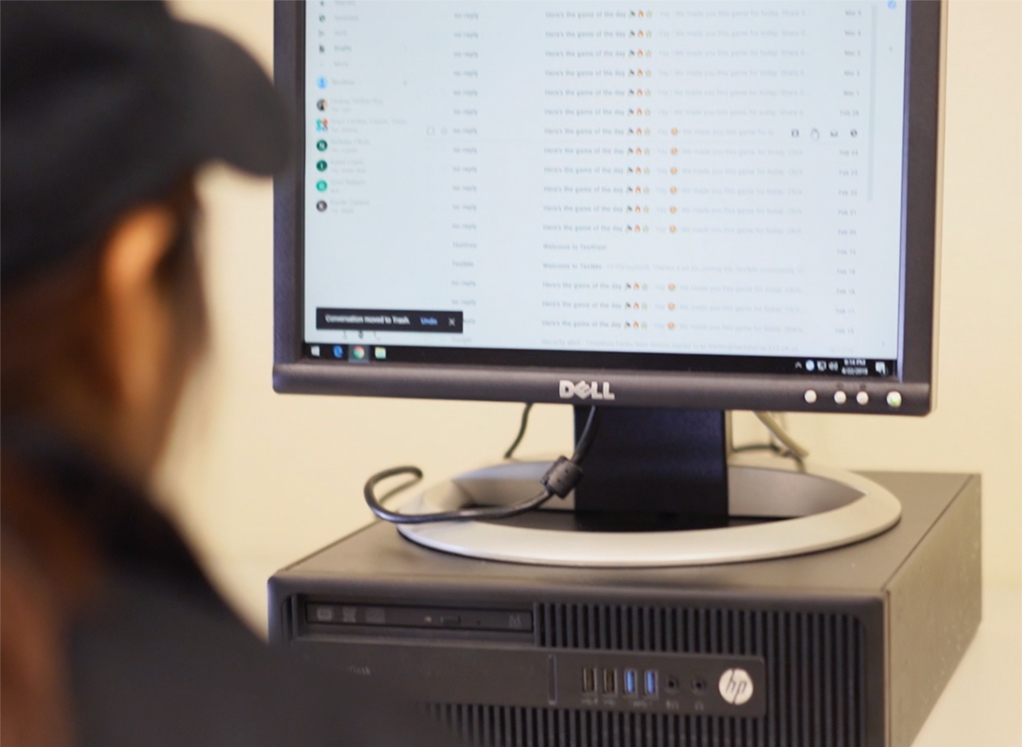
(674, 169)
(674, 151)
(671, 287)
(670, 325)
(674, 190)
(674, 209)
(674, 130)
(670, 307)
(673, 229)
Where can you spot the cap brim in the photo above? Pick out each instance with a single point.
(236, 114)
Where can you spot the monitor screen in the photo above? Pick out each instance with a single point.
(718, 204)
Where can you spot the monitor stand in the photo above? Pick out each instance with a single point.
(660, 489)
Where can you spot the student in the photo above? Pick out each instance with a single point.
(110, 634)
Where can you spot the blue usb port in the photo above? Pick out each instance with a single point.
(650, 684)
(631, 682)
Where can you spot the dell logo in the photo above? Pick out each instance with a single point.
(735, 686)
(585, 390)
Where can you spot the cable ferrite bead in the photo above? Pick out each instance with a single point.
(562, 477)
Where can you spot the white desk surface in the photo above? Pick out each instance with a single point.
(981, 707)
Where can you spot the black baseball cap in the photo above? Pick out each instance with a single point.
(105, 105)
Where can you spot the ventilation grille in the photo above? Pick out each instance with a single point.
(498, 726)
(815, 667)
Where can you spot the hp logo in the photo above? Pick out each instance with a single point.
(735, 686)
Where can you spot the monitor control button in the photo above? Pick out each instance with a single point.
(862, 398)
(894, 399)
(840, 397)
(810, 396)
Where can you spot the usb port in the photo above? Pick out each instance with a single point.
(589, 680)
(609, 681)
(631, 686)
(649, 683)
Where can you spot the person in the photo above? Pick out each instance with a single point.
(110, 634)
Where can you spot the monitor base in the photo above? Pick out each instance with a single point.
(776, 510)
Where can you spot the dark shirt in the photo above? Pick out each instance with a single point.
(157, 658)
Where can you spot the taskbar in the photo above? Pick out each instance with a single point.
(370, 353)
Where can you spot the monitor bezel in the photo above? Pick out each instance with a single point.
(914, 385)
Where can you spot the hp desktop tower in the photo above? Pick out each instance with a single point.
(844, 648)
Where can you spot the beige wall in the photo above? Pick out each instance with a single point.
(261, 479)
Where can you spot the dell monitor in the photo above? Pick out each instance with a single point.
(667, 211)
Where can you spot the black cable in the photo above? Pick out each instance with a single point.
(588, 434)
(559, 480)
(521, 432)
